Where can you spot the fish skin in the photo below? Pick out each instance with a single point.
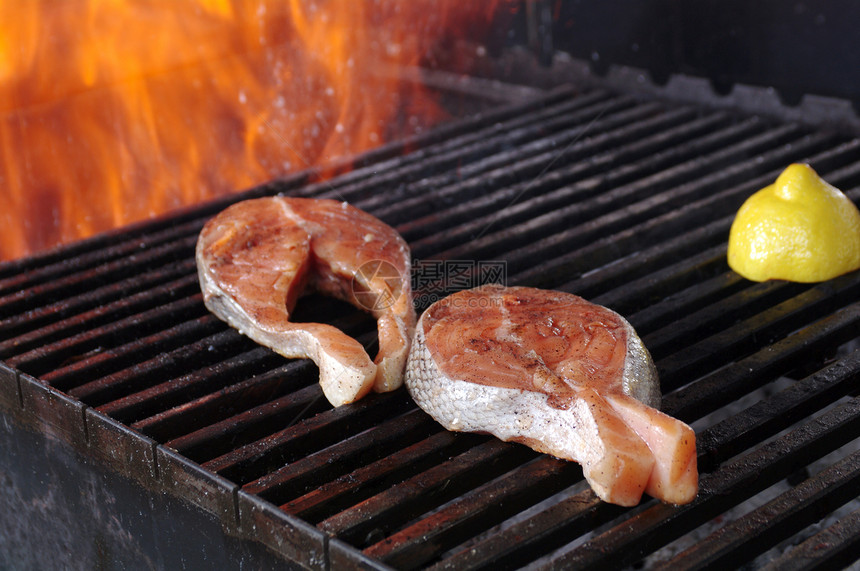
(257, 257)
(561, 375)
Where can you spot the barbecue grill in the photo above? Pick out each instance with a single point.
(147, 433)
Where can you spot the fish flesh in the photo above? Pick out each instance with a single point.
(560, 374)
(258, 256)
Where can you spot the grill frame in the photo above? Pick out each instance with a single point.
(615, 148)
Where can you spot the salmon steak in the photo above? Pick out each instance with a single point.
(257, 257)
(559, 374)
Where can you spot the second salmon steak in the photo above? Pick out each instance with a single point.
(557, 373)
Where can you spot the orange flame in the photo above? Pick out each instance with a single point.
(114, 111)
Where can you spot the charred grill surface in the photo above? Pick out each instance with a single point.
(626, 202)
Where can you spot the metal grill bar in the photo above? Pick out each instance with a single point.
(35, 285)
(624, 201)
(163, 395)
(521, 487)
(106, 302)
(305, 436)
(736, 481)
(398, 504)
(301, 476)
(581, 180)
(523, 139)
(572, 251)
(554, 526)
(212, 348)
(835, 547)
(617, 122)
(781, 518)
(84, 354)
(196, 414)
(327, 500)
(810, 344)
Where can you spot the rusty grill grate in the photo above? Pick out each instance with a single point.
(624, 201)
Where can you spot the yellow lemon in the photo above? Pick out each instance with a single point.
(800, 229)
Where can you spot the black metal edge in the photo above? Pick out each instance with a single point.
(124, 450)
(816, 110)
(806, 47)
(87, 513)
(56, 413)
(40, 406)
(791, 51)
(186, 479)
(10, 390)
(281, 532)
(159, 469)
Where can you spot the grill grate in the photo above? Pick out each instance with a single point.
(626, 202)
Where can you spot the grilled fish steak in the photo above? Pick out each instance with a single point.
(557, 373)
(257, 257)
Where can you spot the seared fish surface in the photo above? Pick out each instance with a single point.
(557, 373)
(257, 257)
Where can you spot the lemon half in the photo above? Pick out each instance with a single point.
(800, 229)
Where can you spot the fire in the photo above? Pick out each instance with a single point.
(114, 111)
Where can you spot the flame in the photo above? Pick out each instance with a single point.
(113, 111)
